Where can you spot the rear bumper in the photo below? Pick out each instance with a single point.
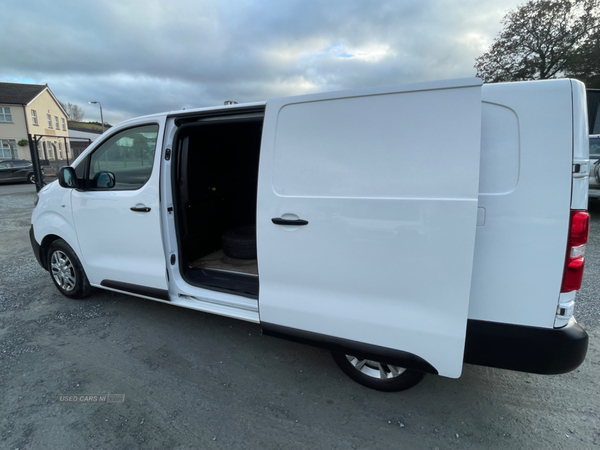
(526, 349)
(36, 247)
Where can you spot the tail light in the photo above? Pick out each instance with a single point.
(575, 260)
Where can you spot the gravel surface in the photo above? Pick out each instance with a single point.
(194, 380)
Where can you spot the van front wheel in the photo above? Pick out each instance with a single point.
(66, 271)
(376, 375)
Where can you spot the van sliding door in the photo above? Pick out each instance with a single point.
(367, 208)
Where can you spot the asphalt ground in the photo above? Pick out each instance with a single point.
(190, 380)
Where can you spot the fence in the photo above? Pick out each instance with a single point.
(50, 159)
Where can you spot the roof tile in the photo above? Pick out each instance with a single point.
(20, 94)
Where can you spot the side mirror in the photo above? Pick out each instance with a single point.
(67, 178)
(104, 180)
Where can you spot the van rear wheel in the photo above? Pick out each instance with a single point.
(376, 375)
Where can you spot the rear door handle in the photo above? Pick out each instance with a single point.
(140, 208)
(296, 222)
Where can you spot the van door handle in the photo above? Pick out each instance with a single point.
(297, 222)
(140, 208)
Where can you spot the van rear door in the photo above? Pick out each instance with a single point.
(366, 216)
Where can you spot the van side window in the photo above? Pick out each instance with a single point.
(128, 156)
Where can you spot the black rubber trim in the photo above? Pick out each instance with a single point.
(185, 118)
(547, 351)
(36, 248)
(201, 277)
(296, 222)
(358, 349)
(526, 349)
(160, 294)
(220, 281)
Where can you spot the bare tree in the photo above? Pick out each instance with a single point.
(74, 112)
(544, 39)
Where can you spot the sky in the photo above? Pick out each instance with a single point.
(140, 57)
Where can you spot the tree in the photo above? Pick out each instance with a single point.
(585, 64)
(545, 39)
(73, 111)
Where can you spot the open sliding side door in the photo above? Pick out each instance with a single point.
(367, 208)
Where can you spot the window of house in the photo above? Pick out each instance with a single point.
(49, 117)
(34, 117)
(8, 148)
(5, 115)
(64, 126)
(56, 122)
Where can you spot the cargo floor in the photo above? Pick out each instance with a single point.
(219, 261)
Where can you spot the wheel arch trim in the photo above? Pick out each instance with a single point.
(50, 226)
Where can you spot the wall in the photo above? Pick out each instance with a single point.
(15, 130)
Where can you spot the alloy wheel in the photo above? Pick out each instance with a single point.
(63, 271)
(375, 369)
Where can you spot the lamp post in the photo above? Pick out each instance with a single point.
(101, 116)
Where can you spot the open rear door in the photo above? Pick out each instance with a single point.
(387, 180)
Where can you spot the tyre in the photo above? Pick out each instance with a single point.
(31, 178)
(66, 271)
(240, 242)
(376, 375)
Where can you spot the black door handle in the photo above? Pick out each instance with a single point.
(140, 209)
(297, 222)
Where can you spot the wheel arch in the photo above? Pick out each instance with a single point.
(45, 246)
(49, 226)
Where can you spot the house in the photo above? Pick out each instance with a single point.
(81, 138)
(32, 109)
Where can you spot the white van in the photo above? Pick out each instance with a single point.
(408, 229)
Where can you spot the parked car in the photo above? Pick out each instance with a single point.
(594, 167)
(362, 245)
(15, 170)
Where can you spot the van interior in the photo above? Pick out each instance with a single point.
(215, 180)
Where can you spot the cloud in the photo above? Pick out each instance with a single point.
(140, 57)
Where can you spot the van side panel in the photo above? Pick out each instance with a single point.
(525, 199)
(385, 258)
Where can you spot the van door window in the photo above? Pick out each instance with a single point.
(124, 161)
(594, 148)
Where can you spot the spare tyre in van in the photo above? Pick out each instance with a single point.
(240, 242)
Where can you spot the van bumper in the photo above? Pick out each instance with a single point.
(526, 349)
(36, 248)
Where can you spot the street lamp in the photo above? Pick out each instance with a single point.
(101, 116)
